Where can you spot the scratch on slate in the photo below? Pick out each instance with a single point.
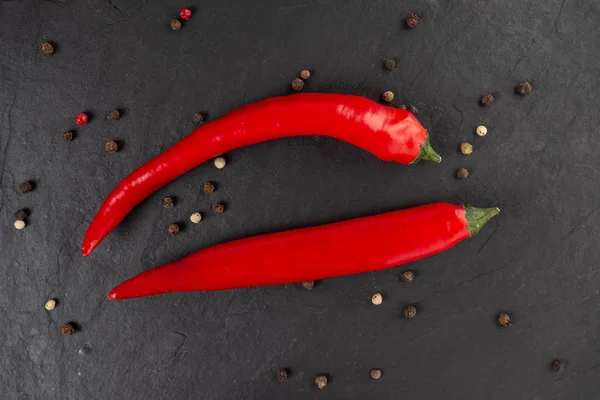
(5, 152)
(554, 26)
(184, 336)
(486, 242)
(437, 52)
(113, 6)
(587, 166)
(490, 272)
(579, 224)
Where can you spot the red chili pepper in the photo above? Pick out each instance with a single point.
(319, 252)
(389, 133)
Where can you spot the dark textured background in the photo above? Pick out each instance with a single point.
(539, 162)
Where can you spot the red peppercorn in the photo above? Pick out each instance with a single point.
(81, 119)
(185, 13)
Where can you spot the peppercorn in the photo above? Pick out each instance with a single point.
(504, 319)
(410, 311)
(524, 88)
(387, 96)
(198, 118)
(403, 106)
(168, 202)
(408, 276)
(297, 84)
(282, 375)
(376, 374)
(412, 20)
(185, 13)
(114, 115)
(466, 148)
(377, 299)
(68, 136)
(462, 173)
(481, 130)
(218, 208)
(209, 187)
(175, 24)
(20, 215)
(558, 365)
(305, 75)
(487, 99)
(173, 229)
(196, 218)
(26, 187)
(50, 304)
(388, 63)
(81, 119)
(308, 285)
(413, 109)
(321, 381)
(67, 329)
(47, 49)
(111, 147)
(220, 162)
(19, 224)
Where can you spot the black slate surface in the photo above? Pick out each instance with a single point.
(539, 163)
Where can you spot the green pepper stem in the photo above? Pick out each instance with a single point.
(427, 152)
(478, 217)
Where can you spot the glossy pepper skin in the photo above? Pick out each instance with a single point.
(389, 133)
(349, 247)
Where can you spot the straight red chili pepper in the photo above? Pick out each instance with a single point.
(389, 133)
(342, 248)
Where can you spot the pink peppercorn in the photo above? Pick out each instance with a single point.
(81, 119)
(185, 14)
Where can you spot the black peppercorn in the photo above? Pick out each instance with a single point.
(282, 375)
(504, 319)
(524, 88)
(168, 202)
(68, 136)
(410, 311)
(218, 208)
(21, 215)
(111, 147)
(403, 106)
(487, 99)
(558, 365)
(25, 187)
(67, 329)
(114, 115)
(47, 49)
(413, 109)
(308, 285)
(297, 84)
(173, 229)
(209, 187)
(198, 118)
(412, 20)
(388, 63)
(462, 173)
(408, 276)
(175, 24)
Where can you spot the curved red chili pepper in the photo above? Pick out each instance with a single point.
(319, 252)
(387, 132)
